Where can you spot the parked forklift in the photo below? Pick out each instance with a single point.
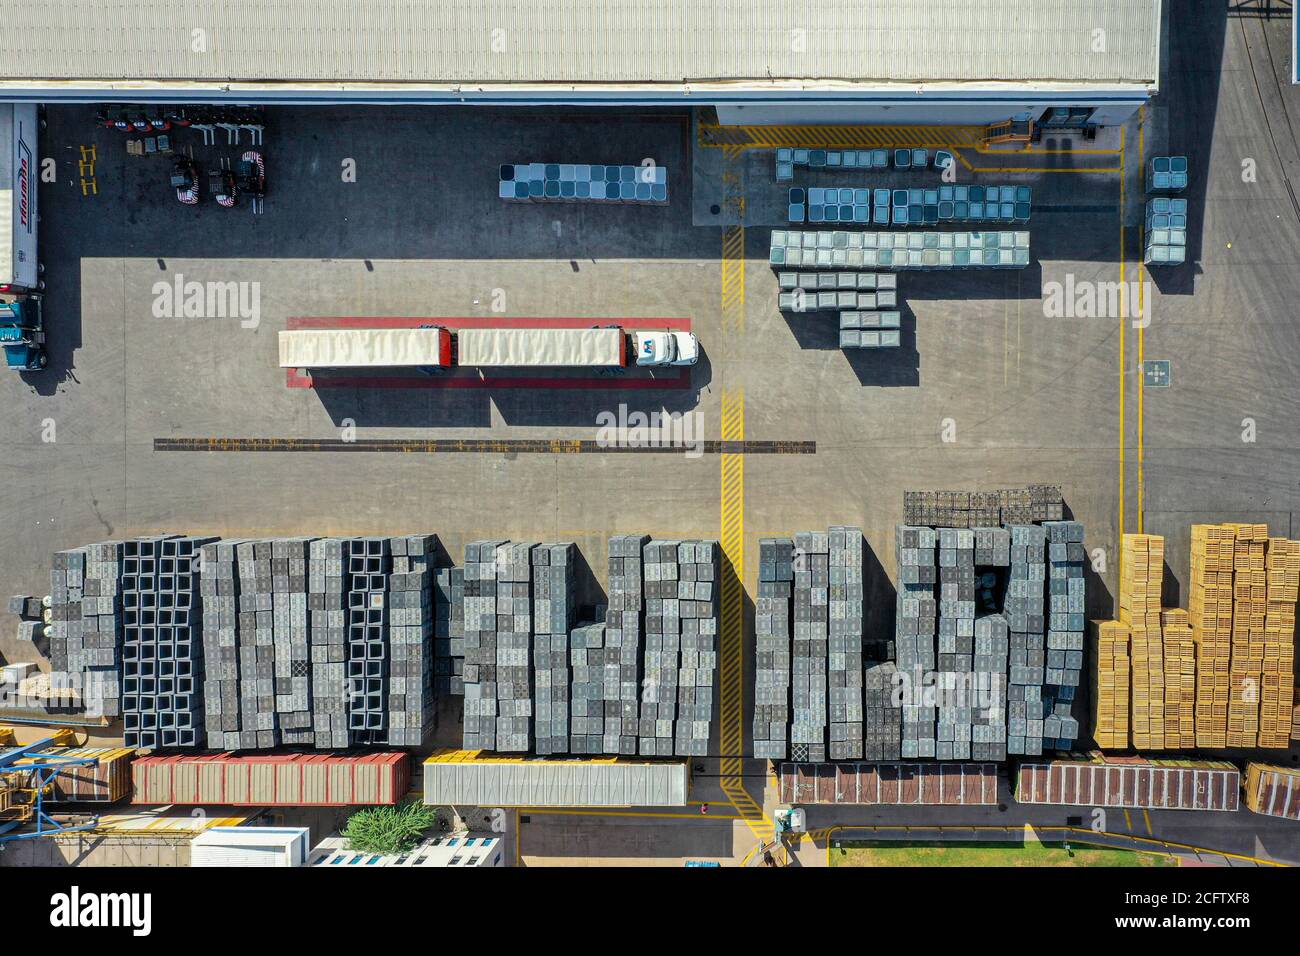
(22, 332)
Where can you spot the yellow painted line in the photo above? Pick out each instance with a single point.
(1141, 379)
(1076, 834)
(1147, 817)
(733, 279)
(1128, 821)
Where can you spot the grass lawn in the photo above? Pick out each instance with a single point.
(868, 853)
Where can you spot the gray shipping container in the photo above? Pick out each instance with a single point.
(521, 782)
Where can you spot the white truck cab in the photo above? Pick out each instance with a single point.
(666, 347)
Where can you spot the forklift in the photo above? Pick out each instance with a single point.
(22, 332)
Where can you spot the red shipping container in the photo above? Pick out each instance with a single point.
(1134, 783)
(889, 784)
(272, 780)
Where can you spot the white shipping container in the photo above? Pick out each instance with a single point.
(529, 348)
(251, 846)
(361, 348)
(488, 782)
(19, 130)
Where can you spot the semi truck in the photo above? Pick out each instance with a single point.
(19, 269)
(606, 347)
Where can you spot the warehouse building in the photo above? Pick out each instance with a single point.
(1059, 63)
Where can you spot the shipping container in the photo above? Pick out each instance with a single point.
(251, 846)
(1131, 783)
(890, 784)
(365, 348)
(309, 780)
(106, 781)
(473, 778)
(1273, 791)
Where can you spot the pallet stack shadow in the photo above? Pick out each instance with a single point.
(162, 653)
(85, 623)
(899, 250)
(569, 182)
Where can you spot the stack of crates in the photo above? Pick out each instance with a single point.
(569, 182)
(480, 668)
(899, 250)
(836, 291)
(788, 160)
(844, 641)
(954, 717)
(915, 623)
(1027, 659)
(449, 632)
(811, 650)
(1110, 686)
(909, 207)
(587, 707)
(1166, 231)
(1210, 609)
(1180, 680)
(1168, 174)
(663, 627)
(772, 648)
(698, 601)
(1142, 559)
(882, 714)
(871, 330)
(1246, 668)
(327, 623)
(1278, 688)
(624, 626)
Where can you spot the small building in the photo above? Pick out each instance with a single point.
(972, 62)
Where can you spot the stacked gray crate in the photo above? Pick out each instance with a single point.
(410, 640)
(480, 621)
(554, 608)
(514, 647)
(811, 648)
(220, 589)
(85, 627)
(69, 654)
(624, 626)
(956, 643)
(697, 601)
(369, 564)
(587, 707)
(1065, 632)
(292, 682)
(162, 631)
(916, 620)
(882, 716)
(662, 649)
(254, 649)
(845, 658)
(328, 580)
(449, 632)
(772, 648)
(989, 661)
(1026, 668)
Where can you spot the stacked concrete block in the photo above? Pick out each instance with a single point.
(658, 710)
(480, 622)
(587, 706)
(554, 594)
(810, 663)
(1026, 619)
(552, 688)
(772, 665)
(845, 621)
(410, 640)
(698, 601)
(1066, 620)
(915, 625)
(328, 581)
(219, 586)
(624, 627)
(956, 645)
(449, 632)
(162, 633)
(369, 564)
(882, 717)
(85, 627)
(514, 672)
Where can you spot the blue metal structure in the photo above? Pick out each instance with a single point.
(41, 770)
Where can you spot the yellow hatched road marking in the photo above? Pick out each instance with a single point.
(733, 279)
(834, 137)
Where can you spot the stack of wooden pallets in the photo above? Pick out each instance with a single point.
(1210, 611)
(1249, 595)
(1180, 679)
(1143, 562)
(1277, 692)
(1110, 686)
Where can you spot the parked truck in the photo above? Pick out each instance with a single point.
(22, 333)
(606, 347)
(19, 269)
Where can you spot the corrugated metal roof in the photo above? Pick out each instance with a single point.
(571, 41)
(486, 782)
